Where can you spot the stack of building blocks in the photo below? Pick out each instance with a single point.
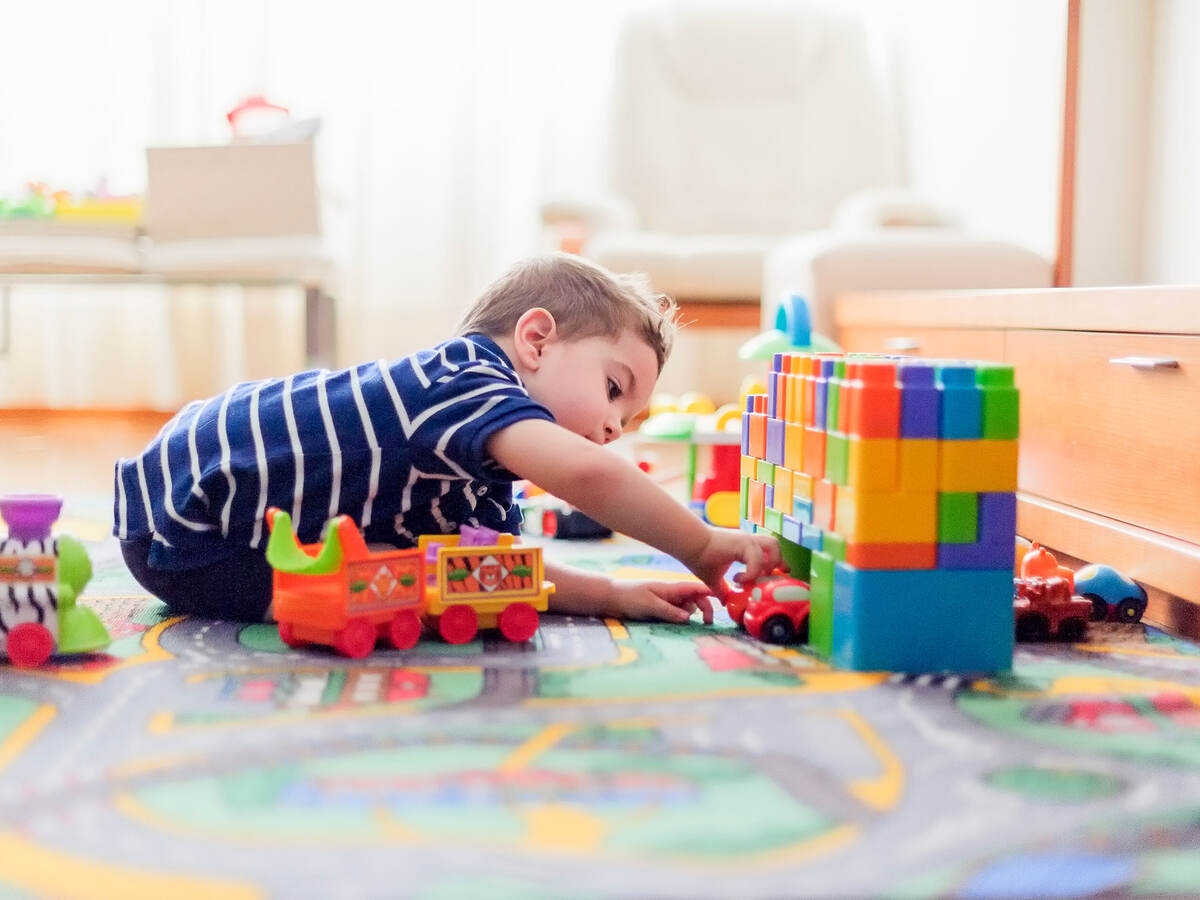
(892, 483)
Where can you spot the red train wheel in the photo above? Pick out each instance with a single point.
(30, 645)
(404, 630)
(357, 639)
(549, 523)
(287, 634)
(519, 622)
(458, 624)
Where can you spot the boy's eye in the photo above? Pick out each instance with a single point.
(614, 390)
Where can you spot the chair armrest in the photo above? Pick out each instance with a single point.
(874, 208)
(570, 221)
(823, 265)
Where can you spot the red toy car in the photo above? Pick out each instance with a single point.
(774, 609)
(1045, 608)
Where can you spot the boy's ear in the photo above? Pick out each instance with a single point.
(534, 331)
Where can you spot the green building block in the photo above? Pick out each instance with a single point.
(820, 614)
(765, 472)
(797, 559)
(744, 499)
(833, 395)
(773, 520)
(834, 545)
(1001, 402)
(958, 518)
(837, 457)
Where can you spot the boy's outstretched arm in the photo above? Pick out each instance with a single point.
(615, 492)
(578, 592)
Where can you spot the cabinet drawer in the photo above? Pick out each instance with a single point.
(928, 342)
(1110, 436)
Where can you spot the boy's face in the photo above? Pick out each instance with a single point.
(594, 385)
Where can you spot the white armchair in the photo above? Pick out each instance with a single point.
(752, 138)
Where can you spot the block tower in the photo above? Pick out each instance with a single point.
(891, 482)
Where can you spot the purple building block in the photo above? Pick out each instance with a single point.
(775, 433)
(746, 433)
(920, 401)
(821, 392)
(772, 392)
(791, 530)
(769, 501)
(996, 547)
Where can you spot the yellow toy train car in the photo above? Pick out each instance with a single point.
(342, 594)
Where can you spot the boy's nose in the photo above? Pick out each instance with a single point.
(612, 431)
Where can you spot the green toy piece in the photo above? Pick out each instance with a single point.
(792, 332)
(79, 628)
(285, 554)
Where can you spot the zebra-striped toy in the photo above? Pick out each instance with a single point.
(28, 586)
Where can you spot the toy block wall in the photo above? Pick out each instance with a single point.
(898, 477)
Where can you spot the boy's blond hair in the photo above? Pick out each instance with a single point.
(585, 299)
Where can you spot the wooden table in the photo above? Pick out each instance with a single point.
(1110, 415)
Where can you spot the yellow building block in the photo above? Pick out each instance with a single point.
(783, 490)
(749, 466)
(873, 464)
(980, 466)
(793, 446)
(802, 486)
(886, 517)
(796, 397)
(918, 464)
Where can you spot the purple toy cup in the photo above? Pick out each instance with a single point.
(29, 516)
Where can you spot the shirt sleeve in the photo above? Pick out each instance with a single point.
(469, 407)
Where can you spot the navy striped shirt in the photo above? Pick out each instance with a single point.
(398, 447)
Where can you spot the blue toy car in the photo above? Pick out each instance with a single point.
(1114, 596)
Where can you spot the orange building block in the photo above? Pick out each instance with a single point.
(782, 498)
(802, 486)
(824, 504)
(749, 464)
(919, 458)
(793, 446)
(891, 556)
(977, 466)
(883, 517)
(757, 425)
(872, 399)
(873, 464)
(756, 495)
(814, 452)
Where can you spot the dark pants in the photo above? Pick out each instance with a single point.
(238, 587)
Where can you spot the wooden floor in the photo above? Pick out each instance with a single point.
(51, 451)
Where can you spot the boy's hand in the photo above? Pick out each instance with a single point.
(667, 601)
(759, 552)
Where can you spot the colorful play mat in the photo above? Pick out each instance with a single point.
(204, 758)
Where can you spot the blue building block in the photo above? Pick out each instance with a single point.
(962, 403)
(920, 400)
(775, 432)
(802, 509)
(922, 620)
(812, 538)
(996, 546)
(791, 530)
(747, 525)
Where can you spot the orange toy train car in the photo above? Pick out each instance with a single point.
(342, 594)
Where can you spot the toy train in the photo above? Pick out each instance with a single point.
(342, 594)
(41, 578)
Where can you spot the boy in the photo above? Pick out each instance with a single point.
(551, 362)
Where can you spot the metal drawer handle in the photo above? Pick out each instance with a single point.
(901, 343)
(1146, 362)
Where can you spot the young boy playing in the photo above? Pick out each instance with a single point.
(550, 363)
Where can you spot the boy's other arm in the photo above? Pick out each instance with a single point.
(615, 492)
(581, 593)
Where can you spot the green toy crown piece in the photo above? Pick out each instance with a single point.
(285, 554)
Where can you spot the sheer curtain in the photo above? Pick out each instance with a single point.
(444, 125)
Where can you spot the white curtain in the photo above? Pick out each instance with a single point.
(444, 126)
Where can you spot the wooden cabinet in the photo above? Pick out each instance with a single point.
(1110, 415)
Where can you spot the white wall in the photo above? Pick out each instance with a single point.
(981, 84)
(1116, 43)
(1172, 232)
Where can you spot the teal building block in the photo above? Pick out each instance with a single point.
(962, 402)
(958, 518)
(837, 457)
(802, 509)
(1001, 402)
(922, 620)
(820, 598)
(812, 537)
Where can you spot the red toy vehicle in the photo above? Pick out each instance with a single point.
(1045, 608)
(774, 609)
(342, 594)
